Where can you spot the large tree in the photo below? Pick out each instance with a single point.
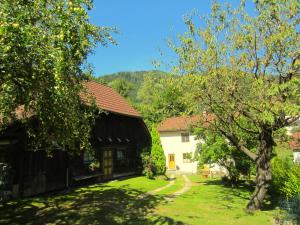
(122, 86)
(244, 70)
(43, 49)
(162, 97)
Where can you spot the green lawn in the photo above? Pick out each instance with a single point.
(179, 183)
(208, 202)
(116, 202)
(109, 203)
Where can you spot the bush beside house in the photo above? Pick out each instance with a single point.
(154, 160)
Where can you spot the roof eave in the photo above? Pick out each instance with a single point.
(173, 130)
(123, 114)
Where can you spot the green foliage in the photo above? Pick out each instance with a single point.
(122, 86)
(43, 48)
(295, 129)
(156, 94)
(135, 78)
(286, 177)
(245, 71)
(157, 153)
(216, 149)
(161, 98)
(148, 165)
(241, 71)
(154, 160)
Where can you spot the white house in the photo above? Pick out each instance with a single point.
(178, 144)
(295, 145)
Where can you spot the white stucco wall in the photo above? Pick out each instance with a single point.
(172, 144)
(297, 157)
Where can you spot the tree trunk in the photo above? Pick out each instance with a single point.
(263, 170)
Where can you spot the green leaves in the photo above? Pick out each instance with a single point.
(246, 69)
(163, 97)
(122, 86)
(216, 149)
(157, 152)
(44, 45)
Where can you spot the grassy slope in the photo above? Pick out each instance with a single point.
(209, 203)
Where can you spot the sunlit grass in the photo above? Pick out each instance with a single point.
(179, 183)
(114, 202)
(208, 202)
(117, 202)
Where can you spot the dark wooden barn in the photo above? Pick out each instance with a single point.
(118, 137)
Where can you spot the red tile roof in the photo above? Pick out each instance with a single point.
(182, 123)
(105, 97)
(295, 143)
(296, 135)
(108, 99)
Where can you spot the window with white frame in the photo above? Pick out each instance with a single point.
(87, 157)
(185, 137)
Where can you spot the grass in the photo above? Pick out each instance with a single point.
(110, 203)
(207, 202)
(179, 183)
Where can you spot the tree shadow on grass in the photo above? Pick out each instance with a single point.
(243, 191)
(98, 204)
(240, 191)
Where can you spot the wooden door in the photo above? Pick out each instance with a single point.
(171, 161)
(108, 163)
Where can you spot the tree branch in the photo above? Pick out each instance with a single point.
(239, 146)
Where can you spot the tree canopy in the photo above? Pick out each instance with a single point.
(43, 50)
(163, 97)
(122, 86)
(244, 70)
(216, 149)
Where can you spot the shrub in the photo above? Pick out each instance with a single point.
(157, 153)
(286, 177)
(291, 188)
(154, 160)
(148, 165)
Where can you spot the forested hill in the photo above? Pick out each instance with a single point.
(134, 77)
(129, 83)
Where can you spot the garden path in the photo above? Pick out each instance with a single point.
(171, 183)
(187, 186)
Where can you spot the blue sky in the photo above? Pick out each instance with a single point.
(144, 27)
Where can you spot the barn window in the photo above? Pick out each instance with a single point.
(88, 158)
(120, 155)
(185, 137)
(187, 157)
